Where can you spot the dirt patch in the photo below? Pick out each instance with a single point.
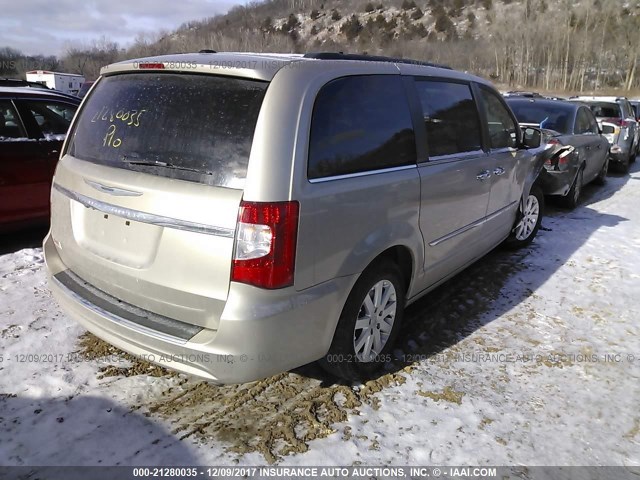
(276, 416)
(92, 348)
(447, 395)
(11, 331)
(635, 430)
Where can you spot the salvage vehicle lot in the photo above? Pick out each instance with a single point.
(527, 358)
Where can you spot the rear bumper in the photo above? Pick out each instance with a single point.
(261, 332)
(619, 153)
(556, 182)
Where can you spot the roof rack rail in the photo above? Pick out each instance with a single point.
(370, 58)
(207, 51)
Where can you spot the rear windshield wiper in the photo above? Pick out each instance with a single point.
(158, 163)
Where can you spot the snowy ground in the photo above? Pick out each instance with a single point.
(527, 358)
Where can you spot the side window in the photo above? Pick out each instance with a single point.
(583, 124)
(53, 118)
(450, 117)
(502, 128)
(359, 124)
(593, 123)
(10, 125)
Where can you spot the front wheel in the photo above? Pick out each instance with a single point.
(529, 220)
(369, 323)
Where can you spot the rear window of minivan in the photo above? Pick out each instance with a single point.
(187, 126)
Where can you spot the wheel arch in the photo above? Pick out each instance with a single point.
(401, 255)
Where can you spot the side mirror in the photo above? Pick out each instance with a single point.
(531, 137)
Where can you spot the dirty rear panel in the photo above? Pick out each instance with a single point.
(145, 199)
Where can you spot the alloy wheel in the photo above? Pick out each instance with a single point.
(375, 321)
(527, 223)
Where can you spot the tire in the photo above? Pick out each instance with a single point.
(623, 167)
(601, 179)
(572, 198)
(353, 354)
(527, 223)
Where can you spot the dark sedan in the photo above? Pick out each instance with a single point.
(33, 126)
(580, 152)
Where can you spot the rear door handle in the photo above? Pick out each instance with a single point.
(484, 175)
(498, 171)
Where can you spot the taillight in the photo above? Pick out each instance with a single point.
(265, 250)
(563, 158)
(621, 122)
(551, 142)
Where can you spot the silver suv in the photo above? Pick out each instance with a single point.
(617, 120)
(234, 216)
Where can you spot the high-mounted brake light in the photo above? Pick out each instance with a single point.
(151, 66)
(265, 250)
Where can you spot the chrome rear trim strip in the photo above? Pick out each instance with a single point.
(143, 217)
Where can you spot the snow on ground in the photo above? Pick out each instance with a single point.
(526, 358)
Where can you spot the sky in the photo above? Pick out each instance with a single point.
(50, 27)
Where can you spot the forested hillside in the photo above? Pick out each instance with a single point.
(553, 45)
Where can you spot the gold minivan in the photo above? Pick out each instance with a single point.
(237, 215)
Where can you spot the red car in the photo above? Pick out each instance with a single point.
(33, 125)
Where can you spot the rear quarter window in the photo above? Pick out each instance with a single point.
(187, 126)
(360, 124)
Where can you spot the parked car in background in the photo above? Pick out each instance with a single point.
(625, 138)
(579, 155)
(84, 89)
(282, 211)
(635, 104)
(16, 82)
(523, 93)
(33, 126)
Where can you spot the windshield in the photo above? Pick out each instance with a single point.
(556, 117)
(188, 126)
